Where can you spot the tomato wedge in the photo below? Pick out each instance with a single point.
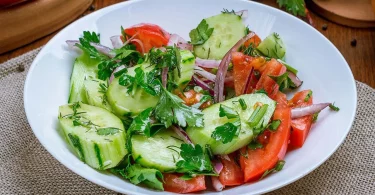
(260, 160)
(231, 175)
(273, 68)
(150, 35)
(173, 183)
(191, 97)
(242, 65)
(300, 126)
(255, 40)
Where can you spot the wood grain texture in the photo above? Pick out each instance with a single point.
(360, 58)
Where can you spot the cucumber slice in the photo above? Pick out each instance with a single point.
(98, 147)
(187, 69)
(228, 29)
(160, 151)
(84, 67)
(272, 46)
(212, 120)
(95, 94)
(123, 103)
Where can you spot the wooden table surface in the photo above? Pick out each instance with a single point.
(360, 58)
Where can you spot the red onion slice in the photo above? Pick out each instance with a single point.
(248, 80)
(205, 63)
(204, 73)
(130, 39)
(179, 42)
(308, 110)
(113, 73)
(164, 76)
(140, 44)
(101, 48)
(116, 41)
(242, 13)
(182, 134)
(223, 68)
(202, 84)
(218, 166)
(296, 81)
(218, 186)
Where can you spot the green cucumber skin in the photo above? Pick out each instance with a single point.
(228, 29)
(84, 67)
(272, 46)
(93, 95)
(123, 103)
(202, 135)
(153, 152)
(187, 69)
(98, 151)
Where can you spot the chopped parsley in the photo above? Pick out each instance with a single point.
(195, 161)
(278, 167)
(141, 123)
(226, 132)
(201, 34)
(150, 177)
(274, 125)
(171, 109)
(308, 96)
(254, 145)
(333, 107)
(283, 81)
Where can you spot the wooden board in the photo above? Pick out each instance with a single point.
(30, 20)
(353, 13)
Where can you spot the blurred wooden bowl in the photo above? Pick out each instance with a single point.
(28, 21)
(353, 13)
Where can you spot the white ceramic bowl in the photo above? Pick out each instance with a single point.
(320, 65)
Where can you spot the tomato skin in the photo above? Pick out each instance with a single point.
(150, 35)
(254, 40)
(242, 65)
(231, 175)
(191, 97)
(263, 159)
(173, 183)
(274, 68)
(300, 126)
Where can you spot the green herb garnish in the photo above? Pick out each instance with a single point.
(201, 34)
(195, 161)
(278, 167)
(333, 107)
(107, 131)
(308, 96)
(257, 115)
(296, 7)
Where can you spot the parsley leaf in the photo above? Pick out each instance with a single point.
(147, 81)
(333, 107)
(225, 133)
(150, 177)
(254, 145)
(195, 160)
(278, 167)
(171, 109)
(107, 131)
(141, 123)
(91, 37)
(228, 112)
(283, 81)
(201, 34)
(296, 7)
(170, 58)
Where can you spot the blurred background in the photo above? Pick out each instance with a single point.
(349, 24)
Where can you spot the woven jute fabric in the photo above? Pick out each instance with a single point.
(27, 168)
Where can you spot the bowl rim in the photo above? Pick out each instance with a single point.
(124, 190)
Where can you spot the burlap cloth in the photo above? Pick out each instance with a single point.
(27, 168)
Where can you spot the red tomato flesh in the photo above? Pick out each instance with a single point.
(260, 160)
(242, 65)
(173, 183)
(273, 68)
(150, 35)
(255, 40)
(231, 175)
(300, 126)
